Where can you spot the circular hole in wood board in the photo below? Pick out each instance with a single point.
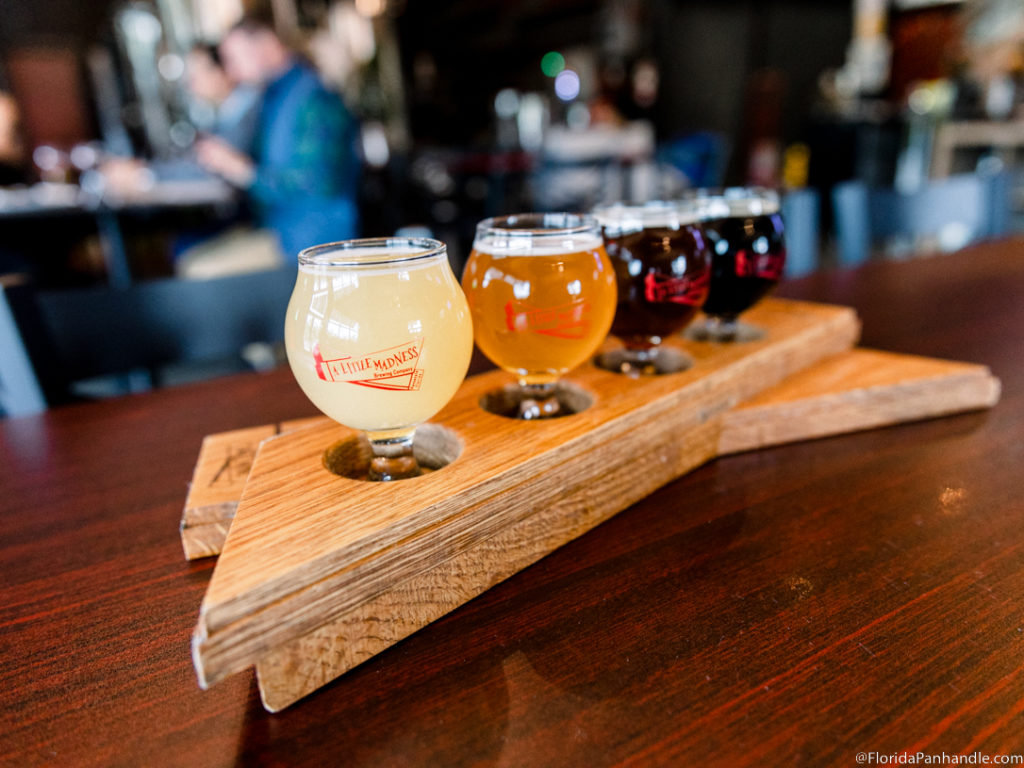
(435, 447)
(505, 401)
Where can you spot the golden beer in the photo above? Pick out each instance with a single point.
(542, 293)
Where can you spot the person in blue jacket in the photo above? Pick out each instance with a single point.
(302, 178)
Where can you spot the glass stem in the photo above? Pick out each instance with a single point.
(723, 328)
(539, 401)
(393, 458)
(639, 361)
(641, 356)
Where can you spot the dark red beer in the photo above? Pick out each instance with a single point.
(661, 263)
(746, 238)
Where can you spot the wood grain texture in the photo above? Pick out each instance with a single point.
(789, 606)
(307, 547)
(573, 503)
(217, 482)
(223, 465)
(886, 388)
(853, 390)
(861, 389)
(858, 389)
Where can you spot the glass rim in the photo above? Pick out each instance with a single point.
(738, 192)
(380, 252)
(522, 225)
(725, 202)
(649, 213)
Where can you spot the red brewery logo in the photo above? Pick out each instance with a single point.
(393, 368)
(691, 290)
(566, 321)
(764, 265)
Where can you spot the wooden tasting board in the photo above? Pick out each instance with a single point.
(319, 572)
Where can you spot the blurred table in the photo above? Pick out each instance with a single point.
(50, 202)
(49, 198)
(1005, 139)
(795, 606)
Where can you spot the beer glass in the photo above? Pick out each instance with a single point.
(748, 252)
(542, 294)
(662, 266)
(379, 337)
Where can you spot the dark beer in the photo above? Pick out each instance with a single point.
(748, 252)
(661, 263)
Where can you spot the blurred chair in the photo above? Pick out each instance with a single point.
(581, 167)
(238, 250)
(801, 216)
(701, 157)
(20, 393)
(944, 214)
(136, 336)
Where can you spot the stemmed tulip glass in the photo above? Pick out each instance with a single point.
(746, 237)
(379, 337)
(662, 265)
(542, 294)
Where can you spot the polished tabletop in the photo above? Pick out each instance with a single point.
(827, 603)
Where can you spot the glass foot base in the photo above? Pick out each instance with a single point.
(385, 468)
(721, 331)
(644, 362)
(515, 402)
(434, 448)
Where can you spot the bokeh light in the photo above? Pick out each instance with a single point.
(578, 117)
(567, 85)
(506, 103)
(371, 8)
(552, 63)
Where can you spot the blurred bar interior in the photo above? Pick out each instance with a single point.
(891, 128)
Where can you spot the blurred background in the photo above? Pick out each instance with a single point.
(460, 110)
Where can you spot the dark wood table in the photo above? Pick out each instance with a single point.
(795, 606)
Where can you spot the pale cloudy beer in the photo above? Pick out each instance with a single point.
(378, 334)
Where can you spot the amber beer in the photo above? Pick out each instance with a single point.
(541, 291)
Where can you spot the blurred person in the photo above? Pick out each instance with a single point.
(14, 169)
(234, 105)
(226, 243)
(233, 111)
(13, 158)
(302, 177)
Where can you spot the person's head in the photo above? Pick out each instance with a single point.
(12, 147)
(253, 53)
(207, 78)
